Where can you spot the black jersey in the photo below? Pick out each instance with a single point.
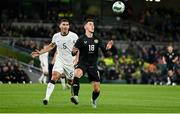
(169, 57)
(89, 49)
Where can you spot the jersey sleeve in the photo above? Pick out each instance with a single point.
(176, 55)
(78, 43)
(76, 37)
(102, 44)
(53, 39)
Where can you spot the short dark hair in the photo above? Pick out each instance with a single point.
(63, 20)
(88, 20)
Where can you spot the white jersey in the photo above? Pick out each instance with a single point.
(64, 47)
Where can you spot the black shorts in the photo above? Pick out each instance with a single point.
(91, 70)
(170, 67)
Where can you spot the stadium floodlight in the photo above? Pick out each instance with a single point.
(157, 0)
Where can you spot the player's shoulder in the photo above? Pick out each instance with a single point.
(97, 39)
(82, 37)
(165, 53)
(72, 33)
(56, 35)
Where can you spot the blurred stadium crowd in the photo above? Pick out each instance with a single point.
(164, 22)
(135, 64)
(11, 72)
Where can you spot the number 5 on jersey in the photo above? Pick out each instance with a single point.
(64, 46)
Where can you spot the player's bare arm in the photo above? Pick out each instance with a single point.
(76, 60)
(175, 59)
(109, 44)
(54, 58)
(164, 60)
(75, 52)
(47, 49)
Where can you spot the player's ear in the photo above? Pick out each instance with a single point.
(59, 25)
(84, 26)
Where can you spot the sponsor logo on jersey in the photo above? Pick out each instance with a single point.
(96, 41)
(85, 42)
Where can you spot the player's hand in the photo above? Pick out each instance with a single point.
(74, 51)
(35, 53)
(109, 44)
(174, 61)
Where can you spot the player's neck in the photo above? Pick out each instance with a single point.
(89, 34)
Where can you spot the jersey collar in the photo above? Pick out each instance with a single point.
(64, 34)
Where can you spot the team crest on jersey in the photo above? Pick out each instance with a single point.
(96, 41)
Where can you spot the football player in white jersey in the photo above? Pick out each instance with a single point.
(44, 65)
(63, 77)
(64, 40)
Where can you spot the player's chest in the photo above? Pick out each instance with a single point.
(170, 55)
(63, 42)
(90, 45)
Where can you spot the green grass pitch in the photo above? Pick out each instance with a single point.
(114, 98)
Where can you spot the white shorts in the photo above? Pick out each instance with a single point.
(68, 70)
(44, 68)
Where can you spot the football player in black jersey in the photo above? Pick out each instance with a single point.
(169, 59)
(87, 47)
